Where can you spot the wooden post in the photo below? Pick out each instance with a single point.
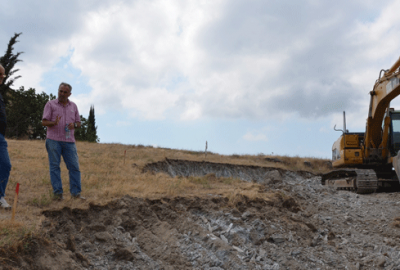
(15, 203)
(124, 156)
(205, 152)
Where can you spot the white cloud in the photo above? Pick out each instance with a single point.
(123, 123)
(192, 112)
(220, 59)
(31, 76)
(255, 137)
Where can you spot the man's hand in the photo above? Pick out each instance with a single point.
(72, 125)
(57, 120)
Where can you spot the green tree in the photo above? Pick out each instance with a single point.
(24, 114)
(88, 130)
(91, 135)
(24, 108)
(80, 133)
(8, 61)
(37, 130)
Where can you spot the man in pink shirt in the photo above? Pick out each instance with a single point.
(61, 117)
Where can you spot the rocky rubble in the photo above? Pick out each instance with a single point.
(305, 226)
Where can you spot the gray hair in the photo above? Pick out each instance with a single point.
(67, 85)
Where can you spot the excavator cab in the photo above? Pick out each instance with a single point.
(394, 141)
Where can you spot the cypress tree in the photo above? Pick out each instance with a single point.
(91, 128)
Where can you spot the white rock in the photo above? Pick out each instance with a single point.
(237, 248)
(224, 239)
(229, 228)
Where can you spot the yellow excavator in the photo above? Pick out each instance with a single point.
(368, 162)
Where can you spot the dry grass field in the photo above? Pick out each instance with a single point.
(107, 175)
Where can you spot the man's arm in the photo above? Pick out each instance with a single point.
(48, 123)
(77, 118)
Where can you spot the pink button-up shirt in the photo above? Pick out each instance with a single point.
(68, 114)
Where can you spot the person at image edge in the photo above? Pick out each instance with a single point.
(5, 164)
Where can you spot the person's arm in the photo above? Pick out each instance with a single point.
(72, 125)
(77, 118)
(48, 123)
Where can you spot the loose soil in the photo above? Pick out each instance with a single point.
(304, 225)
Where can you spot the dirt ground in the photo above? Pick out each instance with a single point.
(303, 226)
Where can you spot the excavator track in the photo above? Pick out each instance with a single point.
(361, 181)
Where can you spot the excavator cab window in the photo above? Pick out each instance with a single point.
(335, 154)
(395, 132)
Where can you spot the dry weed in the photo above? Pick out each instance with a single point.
(9, 231)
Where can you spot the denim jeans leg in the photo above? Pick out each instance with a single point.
(5, 166)
(71, 159)
(54, 152)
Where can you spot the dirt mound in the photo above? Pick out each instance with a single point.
(186, 168)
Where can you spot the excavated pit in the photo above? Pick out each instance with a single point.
(303, 226)
(187, 168)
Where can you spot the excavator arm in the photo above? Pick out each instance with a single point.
(385, 90)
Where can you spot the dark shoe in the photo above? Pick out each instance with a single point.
(78, 196)
(58, 197)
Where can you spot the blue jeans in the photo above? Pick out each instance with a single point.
(5, 166)
(67, 150)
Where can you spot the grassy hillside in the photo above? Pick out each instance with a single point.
(107, 174)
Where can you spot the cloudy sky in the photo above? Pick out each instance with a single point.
(249, 77)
